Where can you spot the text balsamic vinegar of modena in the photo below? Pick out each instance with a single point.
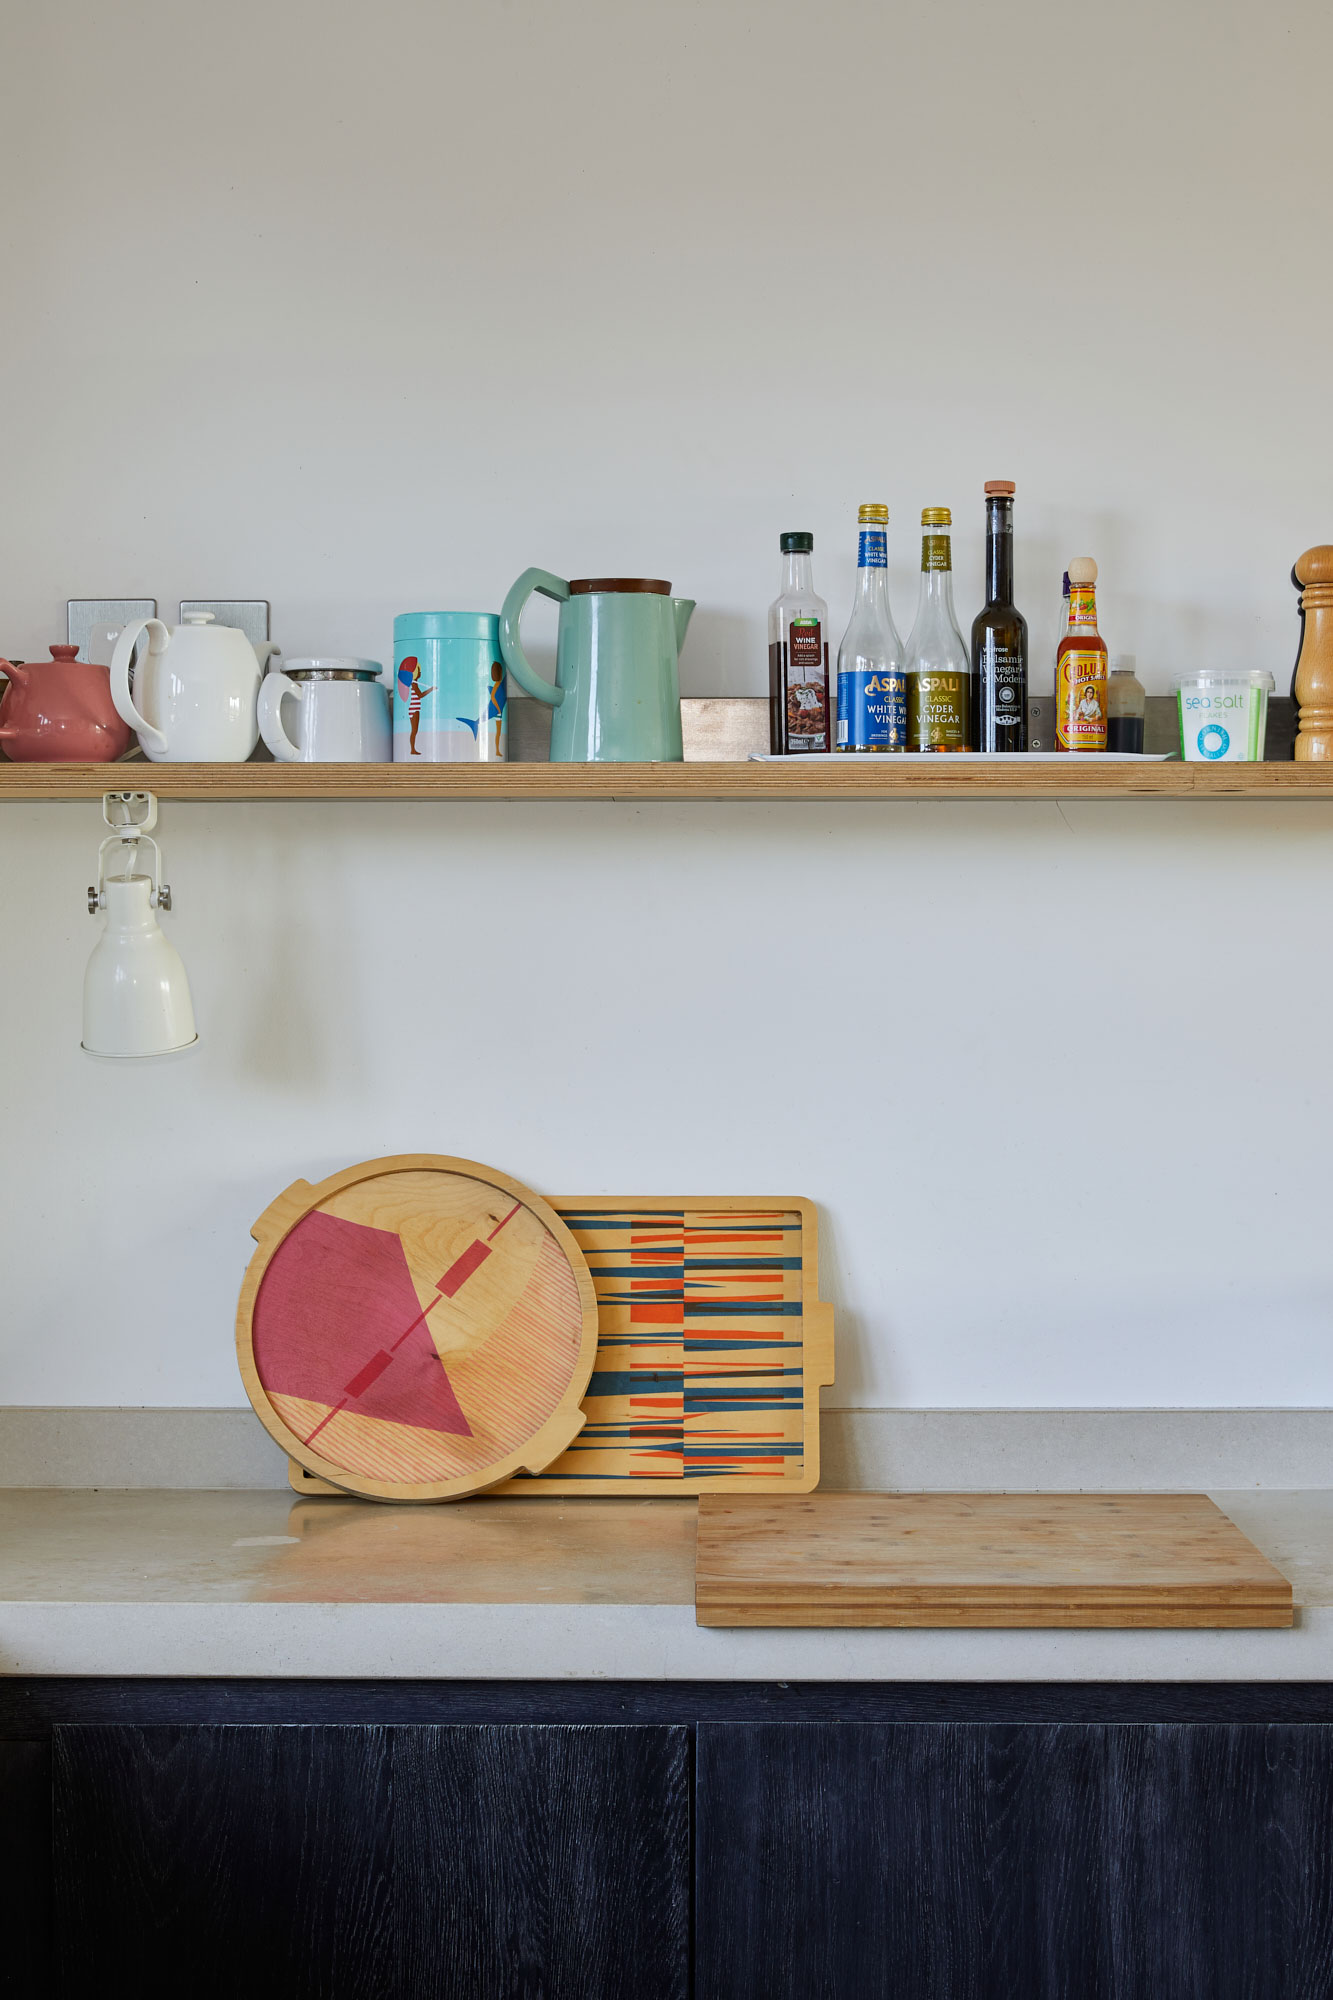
(999, 637)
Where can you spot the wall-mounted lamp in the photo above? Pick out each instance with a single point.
(136, 998)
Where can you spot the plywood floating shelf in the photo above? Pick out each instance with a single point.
(849, 779)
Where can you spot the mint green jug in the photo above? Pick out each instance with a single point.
(617, 686)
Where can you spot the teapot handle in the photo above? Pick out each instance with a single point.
(152, 740)
(272, 688)
(514, 657)
(16, 677)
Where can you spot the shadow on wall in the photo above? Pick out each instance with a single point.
(852, 1340)
(719, 656)
(295, 962)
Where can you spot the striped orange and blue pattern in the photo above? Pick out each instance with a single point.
(712, 1347)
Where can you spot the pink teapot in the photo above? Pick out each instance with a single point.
(60, 711)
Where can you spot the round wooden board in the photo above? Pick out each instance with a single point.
(416, 1328)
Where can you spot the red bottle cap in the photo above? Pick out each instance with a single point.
(1001, 488)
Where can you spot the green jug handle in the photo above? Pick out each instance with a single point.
(514, 657)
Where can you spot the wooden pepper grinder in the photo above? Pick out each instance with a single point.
(1313, 685)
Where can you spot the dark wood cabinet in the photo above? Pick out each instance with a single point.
(459, 1862)
(982, 1862)
(632, 1841)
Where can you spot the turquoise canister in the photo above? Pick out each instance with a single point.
(616, 697)
(448, 688)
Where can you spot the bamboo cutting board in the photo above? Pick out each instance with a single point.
(983, 1559)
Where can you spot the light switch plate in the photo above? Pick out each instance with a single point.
(248, 614)
(98, 622)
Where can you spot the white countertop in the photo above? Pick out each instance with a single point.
(236, 1584)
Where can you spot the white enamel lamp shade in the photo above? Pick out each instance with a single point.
(136, 997)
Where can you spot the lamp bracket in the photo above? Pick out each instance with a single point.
(129, 813)
(159, 895)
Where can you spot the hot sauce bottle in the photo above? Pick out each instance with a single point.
(1080, 667)
(800, 720)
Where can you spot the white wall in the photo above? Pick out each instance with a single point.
(366, 308)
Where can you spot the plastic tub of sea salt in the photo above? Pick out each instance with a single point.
(1223, 716)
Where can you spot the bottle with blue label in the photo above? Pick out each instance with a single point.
(872, 678)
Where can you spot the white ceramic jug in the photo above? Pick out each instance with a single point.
(194, 690)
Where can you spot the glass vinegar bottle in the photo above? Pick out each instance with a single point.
(872, 686)
(799, 719)
(999, 637)
(939, 670)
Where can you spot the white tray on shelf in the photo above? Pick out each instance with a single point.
(983, 756)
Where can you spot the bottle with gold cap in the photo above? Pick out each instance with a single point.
(872, 685)
(938, 668)
(999, 636)
(1080, 667)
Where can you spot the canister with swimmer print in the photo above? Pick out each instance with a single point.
(448, 688)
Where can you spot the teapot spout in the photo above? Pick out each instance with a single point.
(18, 673)
(683, 607)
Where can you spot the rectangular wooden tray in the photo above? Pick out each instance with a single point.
(713, 1347)
(981, 1559)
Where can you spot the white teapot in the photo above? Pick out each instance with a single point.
(195, 690)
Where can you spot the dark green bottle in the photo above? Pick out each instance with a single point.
(999, 637)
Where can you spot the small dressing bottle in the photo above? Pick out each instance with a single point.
(1125, 702)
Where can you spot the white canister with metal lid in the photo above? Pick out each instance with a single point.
(328, 710)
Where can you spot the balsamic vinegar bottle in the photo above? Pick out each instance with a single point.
(999, 637)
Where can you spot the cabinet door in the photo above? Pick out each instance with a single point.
(25, 1870)
(505, 1863)
(223, 1861)
(544, 1863)
(976, 1862)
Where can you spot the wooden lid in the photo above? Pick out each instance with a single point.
(1083, 570)
(651, 586)
(416, 1328)
(1316, 565)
